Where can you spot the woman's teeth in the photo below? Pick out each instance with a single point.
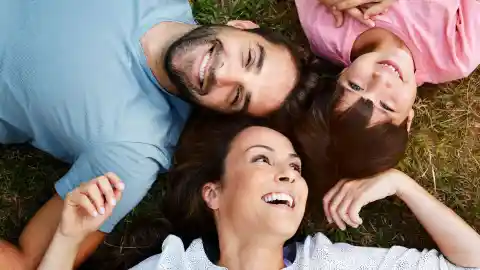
(392, 68)
(203, 66)
(279, 198)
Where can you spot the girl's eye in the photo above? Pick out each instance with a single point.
(296, 167)
(237, 96)
(249, 59)
(386, 107)
(261, 159)
(354, 86)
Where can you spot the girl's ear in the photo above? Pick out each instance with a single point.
(410, 117)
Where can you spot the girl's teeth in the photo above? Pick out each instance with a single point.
(393, 69)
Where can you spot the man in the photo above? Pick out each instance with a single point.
(97, 84)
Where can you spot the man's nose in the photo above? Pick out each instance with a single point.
(228, 75)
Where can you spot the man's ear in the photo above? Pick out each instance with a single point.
(211, 195)
(410, 117)
(242, 24)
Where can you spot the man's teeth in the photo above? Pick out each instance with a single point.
(279, 197)
(203, 66)
(392, 68)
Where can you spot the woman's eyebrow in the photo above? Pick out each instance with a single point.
(261, 146)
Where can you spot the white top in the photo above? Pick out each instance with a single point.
(316, 252)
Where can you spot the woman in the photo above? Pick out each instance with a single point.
(386, 56)
(245, 185)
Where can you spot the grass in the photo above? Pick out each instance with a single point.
(444, 155)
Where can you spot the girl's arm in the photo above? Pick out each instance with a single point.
(85, 209)
(456, 239)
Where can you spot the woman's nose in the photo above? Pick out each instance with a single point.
(286, 177)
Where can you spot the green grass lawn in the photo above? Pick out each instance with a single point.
(443, 155)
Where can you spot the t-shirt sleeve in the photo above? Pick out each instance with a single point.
(326, 40)
(136, 164)
(345, 256)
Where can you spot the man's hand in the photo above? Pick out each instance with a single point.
(88, 206)
(342, 204)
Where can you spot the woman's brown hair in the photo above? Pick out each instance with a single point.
(199, 159)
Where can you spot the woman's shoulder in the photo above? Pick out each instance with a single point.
(175, 256)
(173, 251)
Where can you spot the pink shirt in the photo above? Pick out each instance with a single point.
(443, 35)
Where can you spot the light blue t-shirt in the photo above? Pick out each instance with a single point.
(74, 82)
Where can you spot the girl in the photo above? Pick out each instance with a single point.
(244, 185)
(414, 42)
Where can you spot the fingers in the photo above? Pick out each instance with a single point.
(357, 14)
(348, 4)
(328, 197)
(99, 195)
(354, 209)
(344, 211)
(333, 208)
(106, 188)
(338, 15)
(95, 195)
(375, 10)
(115, 181)
(342, 204)
(82, 201)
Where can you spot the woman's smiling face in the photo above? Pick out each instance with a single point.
(262, 190)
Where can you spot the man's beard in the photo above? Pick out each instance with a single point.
(177, 75)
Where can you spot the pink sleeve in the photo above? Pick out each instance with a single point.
(468, 27)
(325, 39)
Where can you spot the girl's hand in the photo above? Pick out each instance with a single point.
(362, 10)
(88, 206)
(368, 7)
(342, 204)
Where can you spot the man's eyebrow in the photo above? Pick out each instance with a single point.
(261, 58)
(261, 146)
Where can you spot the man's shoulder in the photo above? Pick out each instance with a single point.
(166, 10)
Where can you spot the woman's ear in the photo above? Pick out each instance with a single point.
(242, 24)
(410, 117)
(211, 195)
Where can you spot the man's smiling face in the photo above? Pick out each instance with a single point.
(231, 70)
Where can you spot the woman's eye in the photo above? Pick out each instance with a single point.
(296, 167)
(354, 86)
(261, 159)
(386, 107)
